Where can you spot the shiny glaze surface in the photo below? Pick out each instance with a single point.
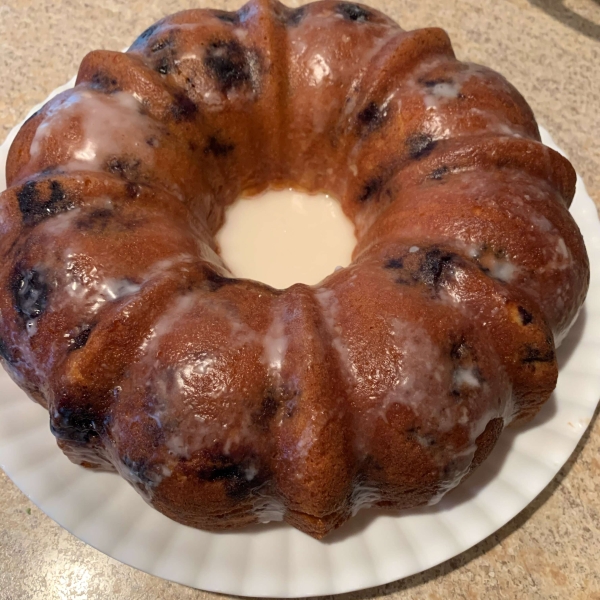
(265, 238)
(224, 401)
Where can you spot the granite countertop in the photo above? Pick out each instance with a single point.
(550, 49)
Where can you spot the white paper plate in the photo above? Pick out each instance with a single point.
(275, 560)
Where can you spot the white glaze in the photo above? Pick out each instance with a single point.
(440, 93)
(176, 445)
(241, 334)
(275, 344)
(421, 367)
(495, 124)
(561, 259)
(109, 126)
(463, 464)
(466, 377)
(501, 269)
(90, 289)
(178, 309)
(286, 237)
(319, 69)
(364, 496)
(497, 267)
(561, 248)
(61, 223)
(31, 327)
(330, 307)
(305, 441)
(250, 472)
(268, 509)
(540, 222)
(559, 336)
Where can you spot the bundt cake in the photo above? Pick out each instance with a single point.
(226, 402)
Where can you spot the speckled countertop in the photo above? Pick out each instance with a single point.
(550, 49)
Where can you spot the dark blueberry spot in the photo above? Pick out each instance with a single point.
(238, 477)
(459, 350)
(451, 469)
(108, 419)
(217, 147)
(28, 198)
(423, 439)
(97, 220)
(268, 409)
(74, 423)
(371, 464)
(526, 316)
(164, 48)
(152, 142)
(165, 65)
(394, 263)
(104, 82)
(353, 12)
(160, 45)
(371, 117)
(5, 353)
(132, 189)
(420, 145)
(291, 404)
(227, 17)
(146, 34)
(140, 470)
(183, 108)
(57, 193)
(81, 338)
(435, 267)
(531, 354)
(439, 173)
(30, 292)
(34, 207)
(369, 114)
(224, 471)
(370, 189)
(216, 281)
(50, 170)
(430, 83)
(127, 168)
(228, 64)
(295, 16)
(246, 11)
(464, 357)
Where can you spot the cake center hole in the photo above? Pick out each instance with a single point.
(286, 237)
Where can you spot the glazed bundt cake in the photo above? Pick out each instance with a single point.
(224, 401)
